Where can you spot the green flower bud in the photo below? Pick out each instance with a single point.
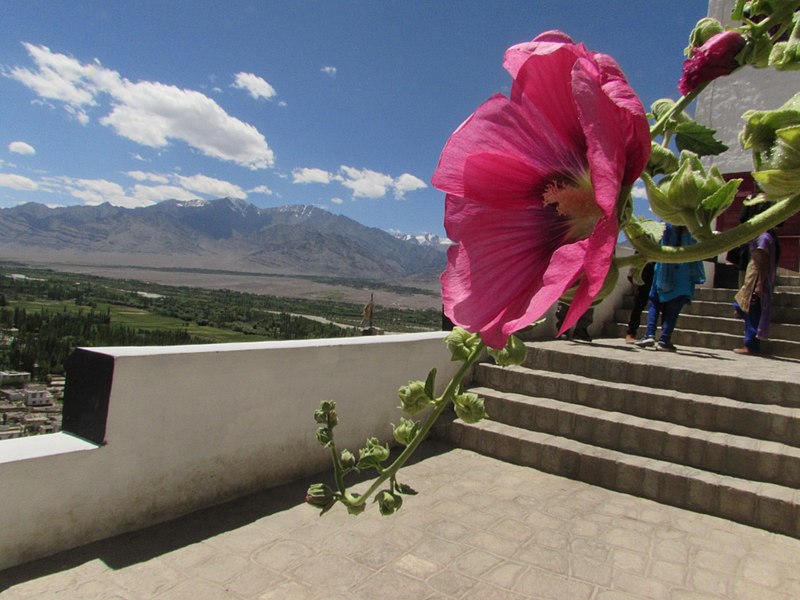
(326, 414)
(761, 126)
(691, 196)
(469, 407)
(662, 106)
(373, 454)
(321, 496)
(785, 56)
(461, 343)
(406, 431)
(324, 436)
(347, 459)
(756, 51)
(356, 509)
(662, 160)
(779, 177)
(704, 30)
(388, 502)
(413, 397)
(514, 353)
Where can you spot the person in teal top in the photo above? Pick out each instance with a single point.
(673, 287)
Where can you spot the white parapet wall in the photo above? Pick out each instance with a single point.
(192, 426)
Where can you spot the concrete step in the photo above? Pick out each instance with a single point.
(764, 505)
(708, 371)
(726, 454)
(718, 414)
(713, 340)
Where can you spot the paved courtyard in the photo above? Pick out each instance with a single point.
(479, 529)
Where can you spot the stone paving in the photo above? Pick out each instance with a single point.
(480, 529)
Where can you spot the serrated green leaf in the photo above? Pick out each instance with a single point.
(645, 228)
(698, 138)
(717, 202)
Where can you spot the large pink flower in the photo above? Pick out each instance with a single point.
(533, 182)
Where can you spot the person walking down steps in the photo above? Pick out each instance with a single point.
(753, 302)
(640, 299)
(673, 287)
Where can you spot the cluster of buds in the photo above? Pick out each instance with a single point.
(691, 196)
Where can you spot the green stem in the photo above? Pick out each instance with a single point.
(741, 234)
(678, 107)
(439, 405)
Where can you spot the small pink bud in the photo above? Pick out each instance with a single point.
(715, 58)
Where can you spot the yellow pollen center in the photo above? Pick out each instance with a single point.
(577, 203)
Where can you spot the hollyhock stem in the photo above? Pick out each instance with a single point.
(439, 405)
(684, 101)
(720, 243)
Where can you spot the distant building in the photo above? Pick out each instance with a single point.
(11, 377)
(37, 395)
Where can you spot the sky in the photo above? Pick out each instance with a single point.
(343, 104)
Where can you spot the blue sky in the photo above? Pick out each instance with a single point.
(342, 104)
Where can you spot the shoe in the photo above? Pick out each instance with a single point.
(629, 339)
(646, 342)
(744, 350)
(666, 347)
(582, 336)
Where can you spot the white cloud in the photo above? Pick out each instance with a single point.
(366, 183)
(639, 192)
(306, 175)
(255, 86)
(17, 182)
(21, 148)
(407, 183)
(329, 71)
(213, 187)
(149, 113)
(142, 176)
(261, 189)
(151, 194)
(337, 201)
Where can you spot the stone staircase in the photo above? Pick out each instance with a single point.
(704, 428)
(709, 321)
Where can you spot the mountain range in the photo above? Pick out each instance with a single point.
(225, 233)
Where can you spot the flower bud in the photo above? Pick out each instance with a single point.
(321, 496)
(406, 431)
(715, 58)
(514, 353)
(662, 160)
(326, 414)
(388, 502)
(761, 127)
(785, 56)
(779, 177)
(324, 436)
(347, 459)
(373, 454)
(705, 29)
(461, 343)
(469, 407)
(691, 196)
(413, 397)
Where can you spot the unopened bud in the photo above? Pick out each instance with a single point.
(705, 29)
(320, 495)
(388, 502)
(324, 436)
(514, 353)
(406, 431)
(413, 397)
(461, 343)
(469, 407)
(347, 459)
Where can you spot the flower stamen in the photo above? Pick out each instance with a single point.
(577, 203)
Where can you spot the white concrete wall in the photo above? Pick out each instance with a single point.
(190, 426)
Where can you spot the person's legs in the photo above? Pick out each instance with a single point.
(671, 310)
(652, 322)
(639, 302)
(751, 342)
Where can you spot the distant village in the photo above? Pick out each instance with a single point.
(28, 408)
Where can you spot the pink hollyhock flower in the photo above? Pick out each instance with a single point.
(715, 58)
(533, 182)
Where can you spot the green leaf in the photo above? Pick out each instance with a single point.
(430, 383)
(698, 139)
(637, 228)
(717, 202)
